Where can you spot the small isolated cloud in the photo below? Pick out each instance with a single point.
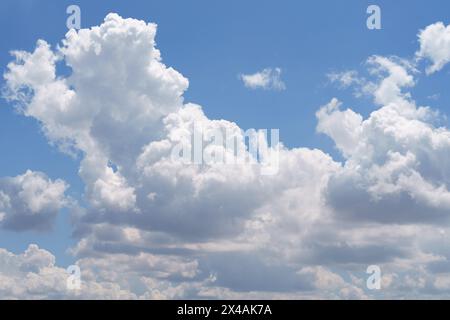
(268, 79)
(435, 45)
(345, 79)
(435, 96)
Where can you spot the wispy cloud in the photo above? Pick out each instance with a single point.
(268, 79)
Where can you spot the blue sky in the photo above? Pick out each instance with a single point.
(211, 44)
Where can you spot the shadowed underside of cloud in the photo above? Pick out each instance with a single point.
(31, 201)
(156, 227)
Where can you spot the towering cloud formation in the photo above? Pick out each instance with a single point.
(157, 227)
(396, 166)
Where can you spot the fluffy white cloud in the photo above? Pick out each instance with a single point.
(31, 201)
(396, 168)
(158, 227)
(34, 275)
(435, 45)
(269, 79)
(341, 126)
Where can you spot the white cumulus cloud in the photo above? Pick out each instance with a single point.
(31, 201)
(157, 227)
(435, 46)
